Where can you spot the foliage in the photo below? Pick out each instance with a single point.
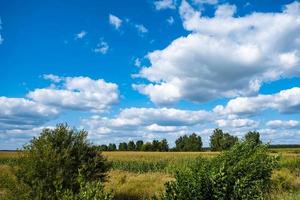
(93, 190)
(51, 162)
(139, 145)
(253, 136)
(112, 147)
(243, 172)
(123, 146)
(189, 143)
(221, 141)
(131, 146)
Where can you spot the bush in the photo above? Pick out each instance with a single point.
(50, 164)
(243, 172)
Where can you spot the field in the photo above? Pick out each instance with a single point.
(140, 175)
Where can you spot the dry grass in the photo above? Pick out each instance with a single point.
(133, 186)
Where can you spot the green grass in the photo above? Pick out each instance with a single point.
(140, 175)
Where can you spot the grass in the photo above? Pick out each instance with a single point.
(140, 175)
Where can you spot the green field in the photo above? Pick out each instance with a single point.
(140, 175)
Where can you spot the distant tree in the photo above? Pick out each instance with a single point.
(112, 147)
(123, 146)
(253, 136)
(139, 145)
(221, 141)
(147, 146)
(103, 147)
(189, 143)
(155, 145)
(164, 145)
(131, 146)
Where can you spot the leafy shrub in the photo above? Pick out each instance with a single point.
(243, 172)
(50, 164)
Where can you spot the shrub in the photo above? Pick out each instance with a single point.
(50, 164)
(243, 172)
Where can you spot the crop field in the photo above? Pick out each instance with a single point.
(141, 175)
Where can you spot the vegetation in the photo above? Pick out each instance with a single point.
(248, 170)
(189, 143)
(52, 164)
(243, 172)
(220, 141)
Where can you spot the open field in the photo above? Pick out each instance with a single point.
(140, 175)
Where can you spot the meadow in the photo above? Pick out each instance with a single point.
(140, 175)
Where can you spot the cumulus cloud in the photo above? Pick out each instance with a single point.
(20, 113)
(281, 124)
(115, 21)
(224, 55)
(235, 122)
(164, 4)
(80, 35)
(142, 122)
(285, 101)
(77, 93)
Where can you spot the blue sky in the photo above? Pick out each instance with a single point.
(129, 70)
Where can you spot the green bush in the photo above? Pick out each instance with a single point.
(50, 164)
(243, 172)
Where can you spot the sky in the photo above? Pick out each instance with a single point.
(150, 69)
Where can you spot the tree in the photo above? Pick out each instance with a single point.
(189, 143)
(103, 147)
(131, 146)
(244, 173)
(155, 145)
(164, 145)
(112, 147)
(221, 141)
(51, 163)
(253, 136)
(123, 146)
(147, 146)
(139, 145)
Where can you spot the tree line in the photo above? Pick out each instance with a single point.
(219, 141)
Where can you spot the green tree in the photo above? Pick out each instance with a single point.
(244, 173)
(139, 145)
(147, 147)
(221, 141)
(253, 136)
(155, 145)
(112, 147)
(123, 146)
(131, 146)
(103, 147)
(51, 163)
(164, 145)
(189, 143)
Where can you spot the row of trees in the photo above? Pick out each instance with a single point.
(218, 141)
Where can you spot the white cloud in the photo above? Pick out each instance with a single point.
(170, 20)
(141, 28)
(137, 62)
(1, 38)
(102, 48)
(280, 124)
(164, 4)
(137, 122)
(235, 122)
(286, 101)
(80, 35)
(53, 78)
(211, 2)
(20, 113)
(224, 56)
(78, 93)
(115, 21)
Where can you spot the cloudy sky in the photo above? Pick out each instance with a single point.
(152, 69)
